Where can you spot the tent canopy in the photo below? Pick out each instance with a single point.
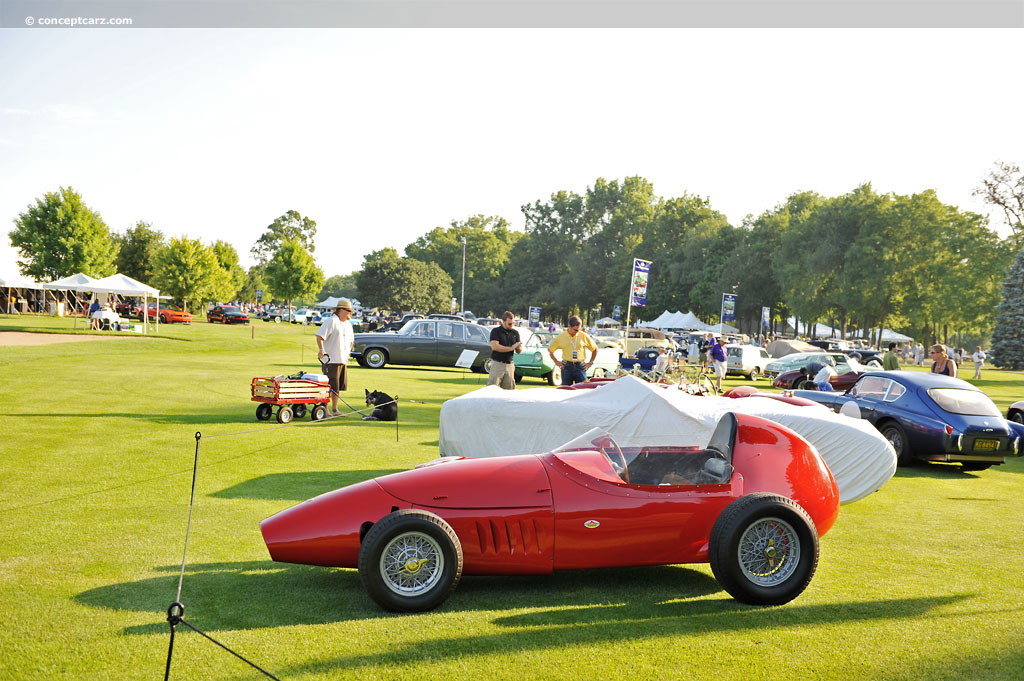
(76, 282)
(677, 320)
(123, 285)
(607, 321)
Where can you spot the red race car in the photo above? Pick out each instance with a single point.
(752, 503)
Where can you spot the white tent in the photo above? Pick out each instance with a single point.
(677, 320)
(76, 282)
(888, 335)
(494, 422)
(124, 285)
(723, 328)
(327, 304)
(16, 282)
(691, 323)
(607, 321)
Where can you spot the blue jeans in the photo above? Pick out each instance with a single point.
(573, 372)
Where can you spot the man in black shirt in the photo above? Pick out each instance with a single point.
(504, 342)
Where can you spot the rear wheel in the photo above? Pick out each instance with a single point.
(163, 319)
(410, 561)
(284, 415)
(764, 549)
(375, 358)
(485, 366)
(754, 373)
(319, 413)
(299, 410)
(1017, 416)
(554, 377)
(264, 412)
(804, 384)
(894, 433)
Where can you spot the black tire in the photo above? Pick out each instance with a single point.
(318, 413)
(277, 320)
(804, 384)
(1016, 416)
(485, 366)
(897, 437)
(361, 361)
(264, 412)
(284, 415)
(163, 319)
(519, 376)
(375, 358)
(410, 561)
(754, 373)
(554, 377)
(299, 410)
(743, 553)
(975, 466)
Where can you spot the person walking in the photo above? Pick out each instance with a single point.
(919, 354)
(573, 342)
(334, 340)
(504, 342)
(890, 362)
(979, 361)
(717, 354)
(942, 363)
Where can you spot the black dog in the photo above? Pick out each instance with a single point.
(388, 409)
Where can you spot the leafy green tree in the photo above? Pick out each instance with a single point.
(231, 283)
(391, 282)
(187, 270)
(59, 236)
(255, 280)
(488, 243)
(137, 251)
(1008, 337)
(340, 286)
(1004, 189)
(291, 225)
(293, 273)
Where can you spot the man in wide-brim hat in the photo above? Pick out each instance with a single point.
(335, 339)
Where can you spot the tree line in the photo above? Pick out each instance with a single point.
(857, 261)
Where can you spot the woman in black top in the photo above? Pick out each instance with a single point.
(941, 363)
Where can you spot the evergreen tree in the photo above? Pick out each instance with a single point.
(1008, 338)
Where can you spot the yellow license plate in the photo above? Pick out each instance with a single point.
(986, 445)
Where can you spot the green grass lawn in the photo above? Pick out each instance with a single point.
(921, 580)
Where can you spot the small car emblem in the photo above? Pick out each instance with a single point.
(591, 524)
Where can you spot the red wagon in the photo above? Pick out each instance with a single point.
(290, 395)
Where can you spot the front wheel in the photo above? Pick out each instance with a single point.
(555, 375)
(319, 413)
(163, 319)
(1017, 416)
(264, 412)
(299, 410)
(485, 366)
(754, 373)
(764, 549)
(410, 561)
(284, 415)
(375, 358)
(896, 436)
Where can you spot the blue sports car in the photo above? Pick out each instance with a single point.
(929, 417)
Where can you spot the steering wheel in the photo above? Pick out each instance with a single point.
(610, 449)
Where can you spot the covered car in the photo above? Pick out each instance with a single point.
(495, 422)
(752, 502)
(425, 342)
(929, 416)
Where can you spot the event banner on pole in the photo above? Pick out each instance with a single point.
(641, 273)
(728, 307)
(617, 313)
(534, 317)
(765, 314)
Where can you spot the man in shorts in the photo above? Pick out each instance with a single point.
(335, 339)
(504, 342)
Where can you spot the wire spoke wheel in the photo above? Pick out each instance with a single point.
(768, 552)
(411, 564)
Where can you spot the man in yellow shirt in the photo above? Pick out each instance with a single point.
(573, 343)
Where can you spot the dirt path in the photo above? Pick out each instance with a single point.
(23, 338)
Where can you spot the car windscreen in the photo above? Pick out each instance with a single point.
(967, 402)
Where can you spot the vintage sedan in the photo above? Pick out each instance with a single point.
(801, 360)
(425, 342)
(929, 417)
(752, 503)
(167, 314)
(227, 314)
(535, 361)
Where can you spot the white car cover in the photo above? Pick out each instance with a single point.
(495, 422)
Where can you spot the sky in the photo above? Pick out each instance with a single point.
(381, 135)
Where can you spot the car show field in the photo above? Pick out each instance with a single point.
(918, 580)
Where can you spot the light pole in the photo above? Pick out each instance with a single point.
(463, 299)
